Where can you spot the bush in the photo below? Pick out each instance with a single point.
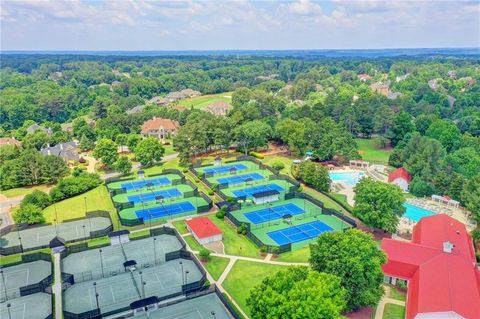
(220, 214)
(475, 234)
(75, 185)
(263, 249)
(275, 250)
(257, 155)
(278, 165)
(200, 175)
(185, 170)
(77, 171)
(242, 229)
(82, 160)
(210, 192)
(420, 188)
(29, 214)
(204, 254)
(37, 198)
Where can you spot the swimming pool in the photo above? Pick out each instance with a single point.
(350, 178)
(415, 213)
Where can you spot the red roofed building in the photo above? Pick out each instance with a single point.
(9, 141)
(401, 178)
(160, 128)
(204, 230)
(440, 267)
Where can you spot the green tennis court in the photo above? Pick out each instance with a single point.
(244, 189)
(159, 181)
(226, 168)
(147, 195)
(197, 308)
(34, 306)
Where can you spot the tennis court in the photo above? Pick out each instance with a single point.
(248, 192)
(40, 236)
(225, 169)
(165, 210)
(138, 184)
(23, 275)
(87, 264)
(119, 291)
(148, 197)
(197, 308)
(34, 306)
(238, 179)
(299, 232)
(275, 212)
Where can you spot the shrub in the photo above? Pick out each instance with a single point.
(275, 250)
(278, 165)
(300, 189)
(242, 229)
(200, 175)
(77, 171)
(210, 192)
(204, 254)
(257, 155)
(475, 234)
(74, 185)
(185, 170)
(220, 214)
(263, 249)
(82, 160)
(29, 214)
(37, 198)
(197, 180)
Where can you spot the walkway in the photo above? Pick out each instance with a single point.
(57, 286)
(384, 301)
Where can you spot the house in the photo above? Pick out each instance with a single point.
(401, 178)
(439, 267)
(219, 108)
(433, 84)
(134, 110)
(381, 88)
(160, 128)
(9, 141)
(35, 127)
(204, 230)
(469, 80)
(401, 77)
(364, 77)
(175, 96)
(452, 74)
(190, 93)
(67, 151)
(158, 100)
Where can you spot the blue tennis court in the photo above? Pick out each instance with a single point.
(151, 196)
(238, 179)
(224, 169)
(165, 210)
(299, 233)
(248, 192)
(268, 214)
(160, 181)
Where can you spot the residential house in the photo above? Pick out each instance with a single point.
(219, 108)
(469, 80)
(364, 77)
(401, 178)
(190, 93)
(452, 74)
(439, 267)
(35, 127)
(160, 128)
(433, 84)
(67, 151)
(9, 141)
(158, 100)
(381, 88)
(134, 110)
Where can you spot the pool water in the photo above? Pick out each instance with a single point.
(416, 213)
(350, 178)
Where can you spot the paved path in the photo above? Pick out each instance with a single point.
(384, 301)
(91, 162)
(57, 286)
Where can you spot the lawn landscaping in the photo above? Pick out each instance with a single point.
(96, 199)
(201, 102)
(180, 226)
(301, 255)
(395, 293)
(22, 191)
(393, 311)
(216, 265)
(193, 243)
(341, 198)
(371, 151)
(287, 162)
(244, 276)
(328, 202)
(234, 243)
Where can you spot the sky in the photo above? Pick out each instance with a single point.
(237, 24)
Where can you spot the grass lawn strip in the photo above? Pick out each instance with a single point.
(21, 191)
(301, 255)
(394, 293)
(216, 265)
(393, 311)
(371, 151)
(201, 102)
(171, 177)
(286, 161)
(180, 226)
(192, 243)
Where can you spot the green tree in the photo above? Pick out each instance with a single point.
(446, 132)
(28, 214)
(314, 175)
(293, 133)
(471, 196)
(420, 187)
(297, 293)
(252, 134)
(37, 198)
(86, 144)
(132, 141)
(378, 204)
(106, 151)
(37, 140)
(123, 165)
(149, 150)
(423, 156)
(402, 124)
(204, 254)
(356, 260)
(53, 169)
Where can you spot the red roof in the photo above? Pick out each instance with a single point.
(203, 227)
(438, 281)
(399, 173)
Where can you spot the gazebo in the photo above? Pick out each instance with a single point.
(359, 164)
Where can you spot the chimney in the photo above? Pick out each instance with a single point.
(448, 247)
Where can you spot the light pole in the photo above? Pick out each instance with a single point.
(181, 265)
(55, 225)
(20, 241)
(84, 234)
(4, 286)
(8, 309)
(101, 262)
(143, 284)
(55, 208)
(96, 296)
(213, 314)
(155, 250)
(186, 280)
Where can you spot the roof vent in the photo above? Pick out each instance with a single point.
(448, 247)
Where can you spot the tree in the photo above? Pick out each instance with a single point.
(420, 187)
(149, 150)
(402, 124)
(132, 141)
(252, 134)
(123, 165)
(204, 254)
(106, 151)
(422, 156)
(297, 293)
(121, 140)
(378, 204)
(54, 169)
(37, 198)
(37, 140)
(446, 133)
(28, 214)
(86, 144)
(314, 175)
(354, 257)
(471, 196)
(293, 133)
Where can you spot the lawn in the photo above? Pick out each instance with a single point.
(192, 243)
(244, 276)
(341, 198)
(180, 226)
(97, 199)
(392, 311)
(371, 151)
(201, 102)
(22, 191)
(297, 256)
(328, 202)
(234, 243)
(394, 293)
(216, 265)
(287, 162)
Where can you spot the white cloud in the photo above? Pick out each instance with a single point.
(304, 7)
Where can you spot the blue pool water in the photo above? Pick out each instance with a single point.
(416, 213)
(350, 178)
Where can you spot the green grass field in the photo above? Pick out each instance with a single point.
(371, 151)
(22, 191)
(394, 293)
(201, 102)
(301, 255)
(286, 161)
(216, 265)
(180, 226)
(97, 199)
(393, 311)
(244, 276)
(193, 243)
